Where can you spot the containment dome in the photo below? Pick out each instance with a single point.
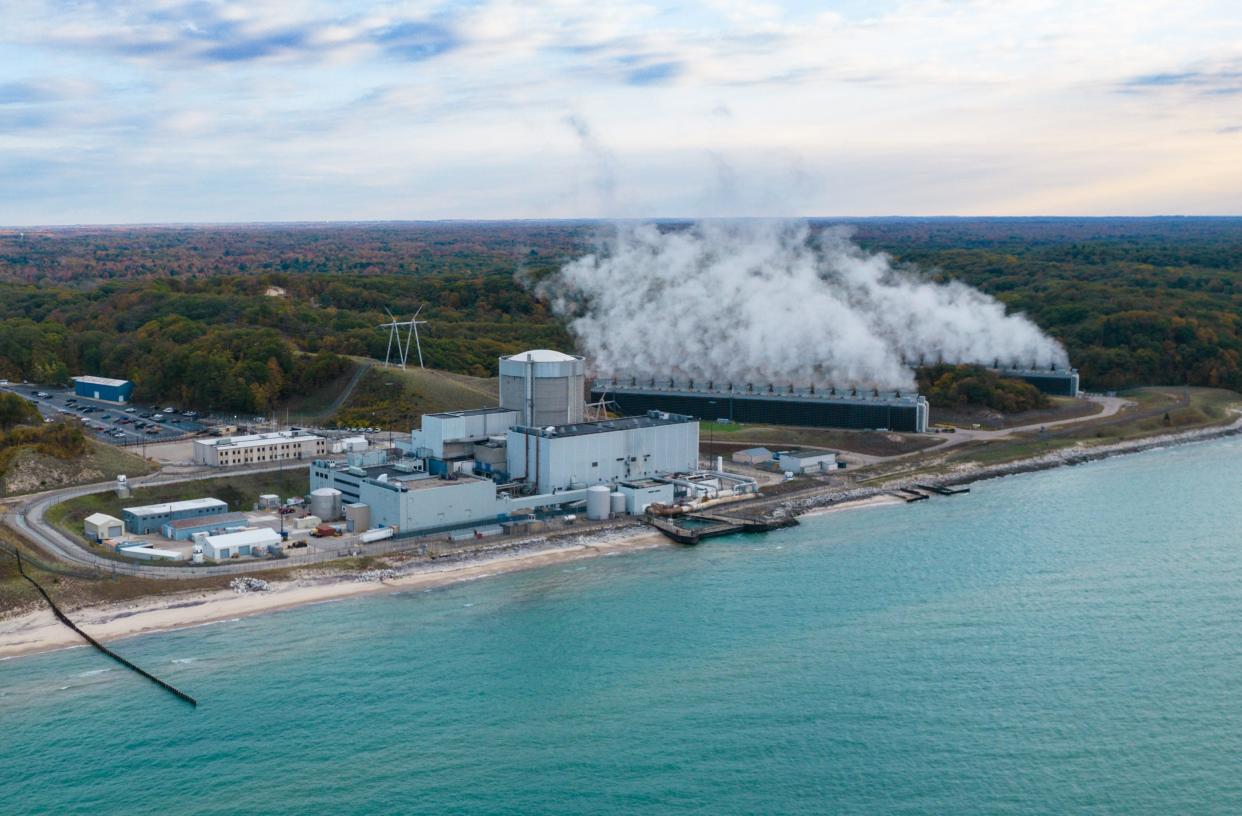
(545, 387)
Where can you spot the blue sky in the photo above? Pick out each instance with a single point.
(120, 112)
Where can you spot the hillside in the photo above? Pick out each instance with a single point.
(393, 399)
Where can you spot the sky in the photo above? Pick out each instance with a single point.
(127, 112)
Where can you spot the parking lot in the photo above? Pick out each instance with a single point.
(108, 422)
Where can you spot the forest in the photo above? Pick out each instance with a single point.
(242, 317)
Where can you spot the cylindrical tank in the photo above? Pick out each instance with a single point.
(325, 502)
(545, 387)
(599, 503)
(617, 501)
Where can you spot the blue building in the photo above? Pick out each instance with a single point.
(150, 518)
(104, 389)
(212, 524)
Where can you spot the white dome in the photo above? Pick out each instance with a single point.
(543, 356)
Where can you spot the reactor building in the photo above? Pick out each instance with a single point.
(533, 453)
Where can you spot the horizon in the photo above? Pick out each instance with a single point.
(811, 219)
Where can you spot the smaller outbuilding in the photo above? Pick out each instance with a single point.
(642, 493)
(242, 543)
(802, 460)
(99, 526)
(752, 456)
(145, 552)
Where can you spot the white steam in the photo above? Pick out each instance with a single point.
(767, 302)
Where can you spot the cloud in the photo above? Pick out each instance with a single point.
(204, 32)
(657, 73)
(1219, 81)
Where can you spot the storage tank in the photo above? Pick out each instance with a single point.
(325, 502)
(545, 387)
(599, 502)
(618, 503)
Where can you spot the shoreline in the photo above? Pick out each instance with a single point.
(38, 631)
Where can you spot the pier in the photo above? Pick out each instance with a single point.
(943, 491)
(710, 525)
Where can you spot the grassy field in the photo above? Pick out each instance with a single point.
(724, 439)
(393, 400)
(241, 493)
(1062, 408)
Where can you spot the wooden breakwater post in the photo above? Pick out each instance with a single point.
(63, 618)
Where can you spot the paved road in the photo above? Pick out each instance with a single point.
(28, 520)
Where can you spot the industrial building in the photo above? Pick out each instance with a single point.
(185, 528)
(545, 387)
(752, 456)
(150, 518)
(1059, 382)
(768, 404)
(99, 526)
(802, 460)
(245, 542)
(276, 446)
(563, 457)
(104, 389)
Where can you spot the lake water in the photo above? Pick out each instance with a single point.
(1061, 642)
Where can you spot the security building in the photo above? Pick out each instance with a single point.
(565, 457)
(104, 389)
(150, 518)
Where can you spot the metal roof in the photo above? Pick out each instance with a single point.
(173, 507)
(213, 520)
(90, 379)
(101, 518)
(807, 453)
(259, 535)
(653, 419)
(472, 412)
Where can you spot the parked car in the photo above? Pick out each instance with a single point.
(131, 410)
(189, 413)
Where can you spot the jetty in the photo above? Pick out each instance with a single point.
(695, 527)
(909, 495)
(943, 491)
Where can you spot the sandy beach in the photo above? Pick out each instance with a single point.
(39, 631)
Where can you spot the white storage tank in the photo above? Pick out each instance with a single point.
(325, 502)
(599, 502)
(617, 500)
(545, 387)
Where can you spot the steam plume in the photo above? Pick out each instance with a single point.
(768, 302)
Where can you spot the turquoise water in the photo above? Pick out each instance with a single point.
(1063, 642)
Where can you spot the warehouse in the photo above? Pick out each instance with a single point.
(769, 404)
(184, 529)
(104, 389)
(242, 543)
(149, 518)
(752, 456)
(802, 460)
(98, 526)
(565, 457)
(254, 448)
